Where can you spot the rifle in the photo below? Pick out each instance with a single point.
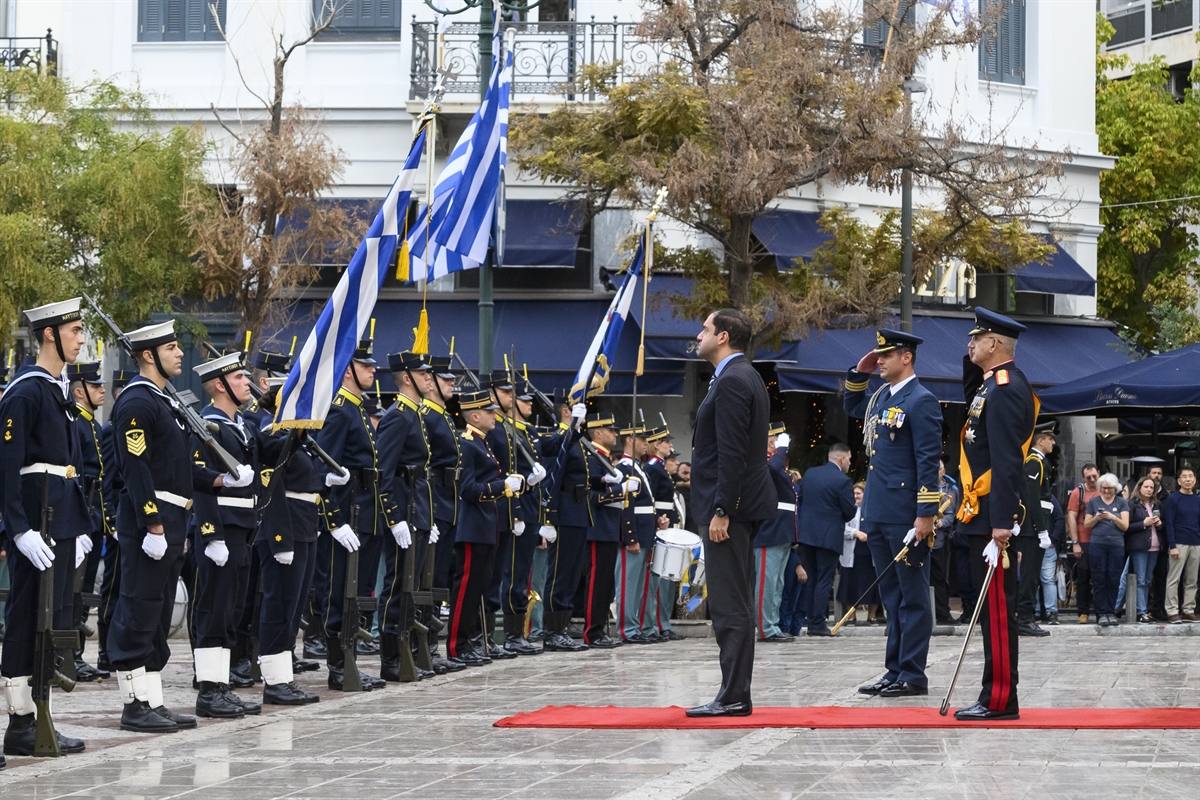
(353, 608)
(47, 646)
(408, 587)
(584, 442)
(201, 428)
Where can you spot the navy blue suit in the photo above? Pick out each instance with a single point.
(827, 496)
(902, 433)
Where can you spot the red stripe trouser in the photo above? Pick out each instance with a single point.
(998, 629)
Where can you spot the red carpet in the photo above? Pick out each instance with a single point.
(837, 717)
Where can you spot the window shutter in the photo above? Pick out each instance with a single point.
(174, 20)
(1015, 49)
(150, 24)
(990, 56)
(389, 14)
(212, 31)
(194, 14)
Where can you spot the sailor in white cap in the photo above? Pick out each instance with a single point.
(40, 459)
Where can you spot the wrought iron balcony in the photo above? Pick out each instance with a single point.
(22, 52)
(547, 56)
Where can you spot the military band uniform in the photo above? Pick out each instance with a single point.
(39, 457)
(902, 430)
(633, 567)
(772, 546)
(604, 539)
(1038, 507)
(482, 485)
(660, 593)
(1001, 413)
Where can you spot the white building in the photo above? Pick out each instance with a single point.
(369, 76)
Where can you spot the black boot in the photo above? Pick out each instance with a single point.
(389, 658)
(249, 707)
(314, 646)
(102, 662)
(514, 636)
(304, 665)
(556, 638)
(182, 721)
(336, 663)
(85, 672)
(287, 694)
(212, 702)
(140, 718)
(495, 651)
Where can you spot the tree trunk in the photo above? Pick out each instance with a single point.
(737, 261)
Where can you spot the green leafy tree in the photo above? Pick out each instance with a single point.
(90, 197)
(1148, 256)
(760, 99)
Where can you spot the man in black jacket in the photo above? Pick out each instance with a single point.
(733, 496)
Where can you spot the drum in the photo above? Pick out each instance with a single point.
(180, 610)
(673, 553)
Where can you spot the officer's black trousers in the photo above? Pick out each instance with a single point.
(564, 565)
(601, 582)
(110, 584)
(443, 560)
(220, 593)
(335, 559)
(514, 589)
(470, 577)
(1029, 572)
(21, 612)
(285, 587)
(998, 629)
(493, 596)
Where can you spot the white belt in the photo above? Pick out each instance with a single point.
(788, 507)
(643, 510)
(236, 502)
(50, 469)
(308, 497)
(615, 505)
(662, 505)
(173, 499)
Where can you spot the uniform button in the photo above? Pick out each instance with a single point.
(872, 467)
(902, 483)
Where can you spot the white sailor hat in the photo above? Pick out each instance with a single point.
(219, 367)
(152, 336)
(54, 313)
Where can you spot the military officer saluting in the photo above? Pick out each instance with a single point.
(1001, 412)
(158, 477)
(902, 435)
(223, 530)
(39, 459)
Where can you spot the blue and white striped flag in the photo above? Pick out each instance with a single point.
(597, 364)
(464, 196)
(306, 394)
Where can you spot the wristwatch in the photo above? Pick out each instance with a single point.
(720, 512)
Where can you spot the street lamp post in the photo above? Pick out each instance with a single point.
(910, 87)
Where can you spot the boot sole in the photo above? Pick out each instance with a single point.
(139, 729)
(210, 715)
(297, 702)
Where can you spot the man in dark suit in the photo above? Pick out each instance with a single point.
(733, 496)
(902, 434)
(827, 504)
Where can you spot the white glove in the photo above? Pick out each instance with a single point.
(346, 537)
(783, 440)
(548, 533)
(113, 534)
(33, 547)
(83, 546)
(285, 558)
(911, 536)
(610, 477)
(402, 534)
(536, 476)
(991, 553)
(518, 527)
(434, 534)
(632, 486)
(578, 412)
(1016, 529)
(1044, 540)
(218, 552)
(513, 483)
(337, 479)
(154, 545)
(245, 474)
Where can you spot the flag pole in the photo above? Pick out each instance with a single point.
(659, 199)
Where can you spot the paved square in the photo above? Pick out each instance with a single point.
(435, 739)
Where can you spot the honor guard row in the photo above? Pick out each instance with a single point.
(274, 531)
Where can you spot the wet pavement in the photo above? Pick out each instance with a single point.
(435, 738)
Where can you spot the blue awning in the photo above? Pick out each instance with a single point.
(789, 235)
(1048, 353)
(540, 233)
(1062, 275)
(551, 336)
(1165, 382)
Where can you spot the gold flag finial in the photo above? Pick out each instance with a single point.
(246, 347)
(452, 347)
(659, 198)
(372, 327)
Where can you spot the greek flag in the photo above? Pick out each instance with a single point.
(464, 196)
(317, 373)
(597, 365)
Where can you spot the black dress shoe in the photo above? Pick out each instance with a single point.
(287, 694)
(239, 681)
(304, 665)
(249, 707)
(652, 638)
(497, 653)
(876, 687)
(820, 632)
(242, 671)
(637, 639)
(520, 646)
(213, 702)
(140, 718)
(605, 642)
(561, 643)
(947, 621)
(980, 712)
(902, 689)
(575, 632)
(1031, 629)
(86, 673)
(715, 709)
(779, 638)
(181, 721)
(425, 674)
(367, 648)
(315, 648)
(670, 636)
(470, 659)
(449, 664)
(370, 682)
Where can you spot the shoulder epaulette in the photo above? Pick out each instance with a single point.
(1002, 377)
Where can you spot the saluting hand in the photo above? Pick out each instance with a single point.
(868, 363)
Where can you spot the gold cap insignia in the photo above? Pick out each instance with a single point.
(879, 338)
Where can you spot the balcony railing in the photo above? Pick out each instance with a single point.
(23, 52)
(1137, 21)
(547, 56)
